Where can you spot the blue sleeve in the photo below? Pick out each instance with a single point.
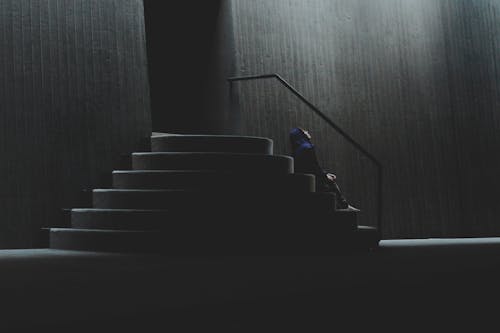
(307, 162)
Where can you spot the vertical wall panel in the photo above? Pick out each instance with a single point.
(415, 81)
(74, 96)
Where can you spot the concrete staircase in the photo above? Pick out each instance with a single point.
(212, 195)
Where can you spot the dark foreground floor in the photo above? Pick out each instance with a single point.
(429, 285)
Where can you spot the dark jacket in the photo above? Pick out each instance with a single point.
(305, 160)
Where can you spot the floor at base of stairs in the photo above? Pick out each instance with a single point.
(87, 290)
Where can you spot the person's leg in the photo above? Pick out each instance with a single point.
(341, 202)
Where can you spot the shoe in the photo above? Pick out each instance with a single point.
(352, 209)
(342, 203)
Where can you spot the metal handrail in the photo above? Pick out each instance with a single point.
(332, 124)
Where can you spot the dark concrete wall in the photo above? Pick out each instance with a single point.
(73, 96)
(189, 52)
(415, 81)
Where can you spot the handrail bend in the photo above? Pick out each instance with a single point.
(346, 136)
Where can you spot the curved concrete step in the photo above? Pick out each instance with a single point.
(253, 239)
(368, 236)
(238, 203)
(120, 219)
(213, 181)
(213, 161)
(105, 240)
(182, 221)
(211, 143)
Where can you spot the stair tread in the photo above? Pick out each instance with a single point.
(212, 173)
(170, 135)
(59, 229)
(295, 242)
(221, 161)
(171, 171)
(208, 153)
(233, 218)
(222, 143)
(84, 230)
(204, 191)
(222, 193)
(173, 211)
(236, 202)
(208, 172)
(118, 210)
(164, 179)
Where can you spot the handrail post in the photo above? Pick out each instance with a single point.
(332, 124)
(379, 198)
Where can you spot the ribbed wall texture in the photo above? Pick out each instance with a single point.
(73, 96)
(415, 81)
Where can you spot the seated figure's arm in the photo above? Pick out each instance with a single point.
(307, 162)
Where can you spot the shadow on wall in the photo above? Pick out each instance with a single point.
(181, 45)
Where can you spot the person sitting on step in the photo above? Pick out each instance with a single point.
(305, 161)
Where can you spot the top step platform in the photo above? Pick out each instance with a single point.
(165, 142)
